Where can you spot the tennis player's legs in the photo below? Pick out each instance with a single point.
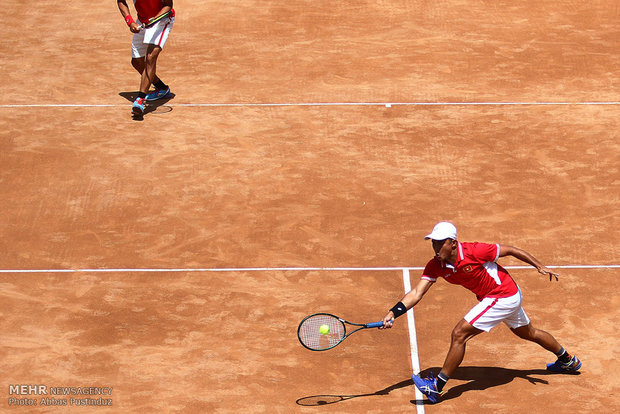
(145, 48)
(487, 314)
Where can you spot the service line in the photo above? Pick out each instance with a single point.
(301, 104)
(271, 269)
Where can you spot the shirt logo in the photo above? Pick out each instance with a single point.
(468, 269)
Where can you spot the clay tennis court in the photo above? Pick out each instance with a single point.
(309, 146)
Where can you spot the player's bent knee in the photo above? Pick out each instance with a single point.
(527, 332)
(463, 332)
(137, 63)
(153, 52)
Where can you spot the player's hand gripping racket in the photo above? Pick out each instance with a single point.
(323, 331)
(154, 20)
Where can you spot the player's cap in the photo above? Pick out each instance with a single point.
(442, 230)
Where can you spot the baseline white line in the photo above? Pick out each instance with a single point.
(271, 269)
(395, 104)
(206, 270)
(61, 105)
(413, 343)
(302, 104)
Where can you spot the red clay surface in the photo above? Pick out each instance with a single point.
(304, 186)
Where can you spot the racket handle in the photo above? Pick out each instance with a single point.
(375, 324)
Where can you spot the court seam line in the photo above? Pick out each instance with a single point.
(302, 104)
(413, 344)
(271, 269)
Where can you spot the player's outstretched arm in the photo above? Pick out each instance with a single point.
(505, 250)
(408, 301)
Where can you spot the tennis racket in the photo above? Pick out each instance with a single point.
(311, 338)
(154, 20)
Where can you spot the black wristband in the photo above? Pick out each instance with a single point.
(399, 309)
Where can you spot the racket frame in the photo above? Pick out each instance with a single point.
(344, 325)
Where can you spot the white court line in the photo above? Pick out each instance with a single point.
(406, 104)
(270, 269)
(301, 104)
(413, 343)
(206, 270)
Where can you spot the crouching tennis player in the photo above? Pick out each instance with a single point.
(474, 266)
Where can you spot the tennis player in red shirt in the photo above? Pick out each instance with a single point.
(474, 266)
(146, 45)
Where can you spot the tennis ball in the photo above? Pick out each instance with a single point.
(324, 329)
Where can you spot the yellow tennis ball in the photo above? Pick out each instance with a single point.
(324, 329)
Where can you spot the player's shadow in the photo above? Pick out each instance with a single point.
(326, 399)
(482, 378)
(151, 106)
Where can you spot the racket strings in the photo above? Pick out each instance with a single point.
(310, 335)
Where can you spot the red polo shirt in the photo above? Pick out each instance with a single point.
(148, 8)
(475, 269)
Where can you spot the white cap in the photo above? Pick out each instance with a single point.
(442, 230)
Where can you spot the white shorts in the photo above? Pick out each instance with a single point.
(154, 35)
(489, 312)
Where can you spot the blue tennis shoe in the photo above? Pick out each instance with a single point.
(428, 387)
(569, 367)
(138, 108)
(157, 94)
